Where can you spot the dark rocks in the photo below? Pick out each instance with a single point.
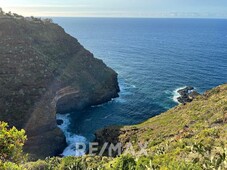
(185, 90)
(193, 94)
(187, 94)
(59, 122)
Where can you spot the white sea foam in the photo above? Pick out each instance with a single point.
(133, 86)
(107, 116)
(176, 94)
(71, 139)
(125, 92)
(120, 100)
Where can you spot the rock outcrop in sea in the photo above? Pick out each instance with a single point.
(43, 70)
(187, 94)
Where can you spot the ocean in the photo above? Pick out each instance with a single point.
(154, 58)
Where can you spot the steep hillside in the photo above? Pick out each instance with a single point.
(194, 134)
(190, 137)
(43, 70)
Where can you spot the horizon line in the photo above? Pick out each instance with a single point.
(125, 17)
(130, 17)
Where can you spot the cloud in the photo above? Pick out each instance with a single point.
(75, 9)
(47, 6)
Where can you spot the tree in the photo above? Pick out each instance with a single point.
(11, 144)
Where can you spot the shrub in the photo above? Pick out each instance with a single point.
(125, 163)
(9, 166)
(38, 165)
(70, 163)
(11, 144)
(143, 163)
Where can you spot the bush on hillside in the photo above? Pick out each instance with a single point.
(11, 144)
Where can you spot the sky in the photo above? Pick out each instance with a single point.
(119, 8)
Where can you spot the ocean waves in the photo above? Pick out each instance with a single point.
(71, 138)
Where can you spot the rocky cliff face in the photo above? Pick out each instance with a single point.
(43, 70)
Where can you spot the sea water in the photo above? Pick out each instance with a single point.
(154, 58)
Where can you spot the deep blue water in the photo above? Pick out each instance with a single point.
(153, 57)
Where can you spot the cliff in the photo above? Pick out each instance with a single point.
(43, 70)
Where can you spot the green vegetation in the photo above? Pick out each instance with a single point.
(192, 135)
(69, 163)
(11, 143)
(187, 137)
